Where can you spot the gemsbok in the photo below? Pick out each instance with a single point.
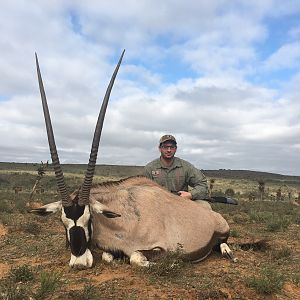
(134, 216)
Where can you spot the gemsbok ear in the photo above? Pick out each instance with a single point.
(100, 208)
(47, 209)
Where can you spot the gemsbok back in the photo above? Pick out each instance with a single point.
(134, 216)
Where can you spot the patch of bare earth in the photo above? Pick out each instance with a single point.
(4, 270)
(3, 230)
(291, 291)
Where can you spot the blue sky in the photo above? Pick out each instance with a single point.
(222, 76)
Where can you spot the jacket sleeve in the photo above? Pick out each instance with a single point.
(198, 183)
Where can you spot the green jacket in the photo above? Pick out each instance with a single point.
(179, 177)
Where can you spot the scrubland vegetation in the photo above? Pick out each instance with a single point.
(265, 237)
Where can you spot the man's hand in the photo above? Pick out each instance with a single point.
(185, 194)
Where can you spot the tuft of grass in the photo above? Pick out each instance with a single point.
(5, 207)
(278, 224)
(6, 219)
(295, 277)
(89, 292)
(10, 290)
(282, 253)
(15, 287)
(32, 228)
(241, 218)
(22, 274)
(49, 283)
(269, 281)
(229, 192)
(20, 203)
(260, 216)
(234, 233)
(169, 265)
(296, 219)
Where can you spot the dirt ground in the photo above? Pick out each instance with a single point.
(40, 244)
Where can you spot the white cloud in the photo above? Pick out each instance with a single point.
(286, 57)
(221, 118)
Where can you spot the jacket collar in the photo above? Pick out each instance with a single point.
(176, 164)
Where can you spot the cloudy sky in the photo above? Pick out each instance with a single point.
(222, 76)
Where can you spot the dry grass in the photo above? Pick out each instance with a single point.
(36, 248)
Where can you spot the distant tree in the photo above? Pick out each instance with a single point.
(251, 196)
(230, 192)
(261, 188)
(41, 170)
(278, 194)
(211, 186)
(290, 196)
(18, 189)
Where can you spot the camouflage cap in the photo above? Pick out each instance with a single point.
(167, 137)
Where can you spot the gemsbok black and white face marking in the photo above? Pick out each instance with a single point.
(76, 214)
(77, 220)
(78, 224)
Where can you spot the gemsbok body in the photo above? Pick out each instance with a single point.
(134, 216)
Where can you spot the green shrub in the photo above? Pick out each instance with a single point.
(10, 290)
(296, 219)
(295, 277)
(14, 288)
(234, 233)
(269, 281)
(6, 219)
(20, 204)
(241, 218)
(49, 282)
(32, 228)
(22, 274)
(168, 265)
(282, 253)
(89, 292)
(260, 216)
(5, 207)
(229, 192)
(278, 224)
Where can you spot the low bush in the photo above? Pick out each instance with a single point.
(32, 228)
(241, 218)
(6, 207)
(269, 281)
(89, 292)
(229, 192)
(10, 290)
(168, 265)
(260, 216)
(234, 233)
(22, 274)
(280, 254)
(278, 224)
(49, 283)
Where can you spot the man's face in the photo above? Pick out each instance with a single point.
(167, 150)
